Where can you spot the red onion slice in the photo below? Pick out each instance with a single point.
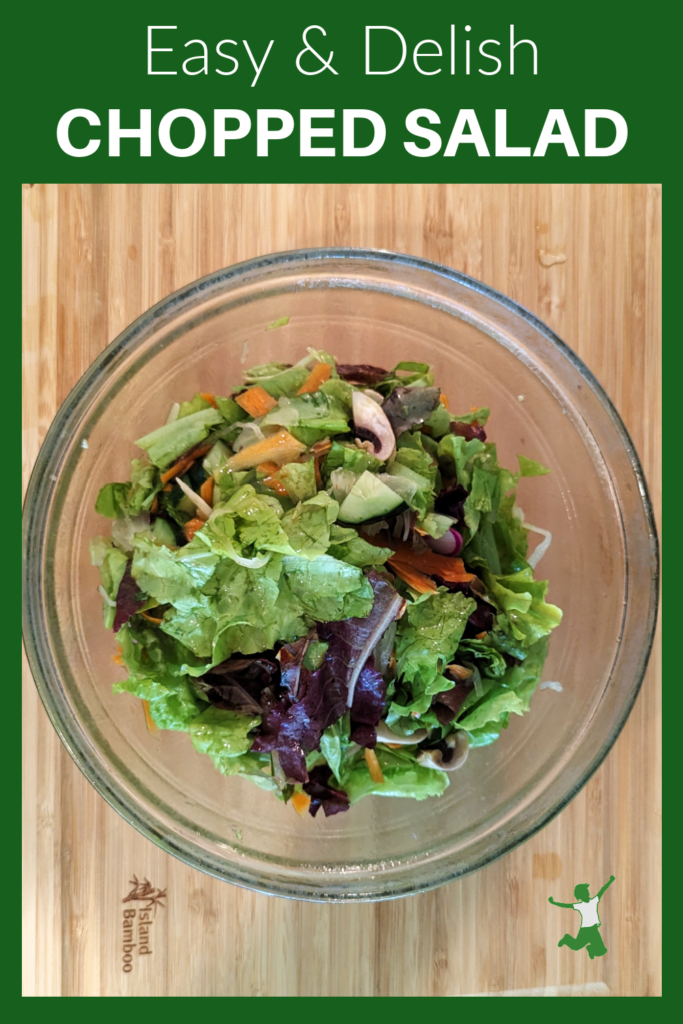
(449, 544)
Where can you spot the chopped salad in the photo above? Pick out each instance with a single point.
(324, 579)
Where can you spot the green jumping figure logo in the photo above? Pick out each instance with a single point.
(589, 932)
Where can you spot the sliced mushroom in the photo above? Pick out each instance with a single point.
(374, 395)
(385, 735)
(371, 423)
(459, 744)
(458, 672)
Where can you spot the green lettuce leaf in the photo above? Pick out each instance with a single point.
(155, 663)
(171, 576)
(479, 416)
(326, 589)
(299, 480)
(196, 404)
(317, 411)
(522, 599)
(428, 636)
(231, 411)
(403, 776)
(172, 701)
(112, 501)
(348, 457)
(407, 375)
(527, 467)
(334, 744)
(497, 701)
(252, 609)
(165, 445)
(308, 525)
(223, 734)
(439, 422)
(112, 565)
(245, 526)
(279, 379)
(347, 546)
(455, 455)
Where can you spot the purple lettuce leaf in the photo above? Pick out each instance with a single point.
(469, 431)
(295, 716)
(451, 502)
(406, 407)
(293, 724)
(332, 801)
(291, 659)
(448, 703)
(127, 600)
(361, 373)
(272, 737)
(369, 700)
(237, 684)
(353, 640)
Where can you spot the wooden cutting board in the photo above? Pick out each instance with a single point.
(586, 259)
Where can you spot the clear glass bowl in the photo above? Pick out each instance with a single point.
(372, 307)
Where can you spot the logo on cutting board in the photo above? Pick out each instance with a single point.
(589, 933)
(138, 921)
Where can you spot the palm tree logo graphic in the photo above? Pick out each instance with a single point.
(589, 933)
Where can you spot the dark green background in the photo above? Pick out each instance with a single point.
(591, 55)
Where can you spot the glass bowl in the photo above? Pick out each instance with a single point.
(371, 307)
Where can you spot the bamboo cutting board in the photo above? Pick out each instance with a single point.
(586, 259)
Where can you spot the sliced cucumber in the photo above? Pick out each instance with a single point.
(162, 532)
(216, 458)
(368, 498)
(406, 489)
(343, 481)
(401, 471)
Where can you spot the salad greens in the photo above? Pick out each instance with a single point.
(324, 579)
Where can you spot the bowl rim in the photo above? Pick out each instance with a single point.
(37, 502)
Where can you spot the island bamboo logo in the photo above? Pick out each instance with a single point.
(137, 921)
(589, 933)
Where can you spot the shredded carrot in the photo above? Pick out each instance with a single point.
(184, 463)
(152, 728)
(393, 746)
(301, 802)
(206, 490)
(150, 618)
(474, 408)
(319, 451)
(444, 400)
(318, 375)
(413, 577)
(279, 448)
(208, 398)
(271, 480)
(373, 766)
(190, 528)
(256, 401)
(168, 488)
(480, 636)
(449, 568)
(273, 484)
(154, 508)
(117, 659)
(422, 563)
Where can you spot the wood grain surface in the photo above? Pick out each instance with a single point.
(584, 258)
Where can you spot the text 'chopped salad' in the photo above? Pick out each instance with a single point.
(324, 579)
